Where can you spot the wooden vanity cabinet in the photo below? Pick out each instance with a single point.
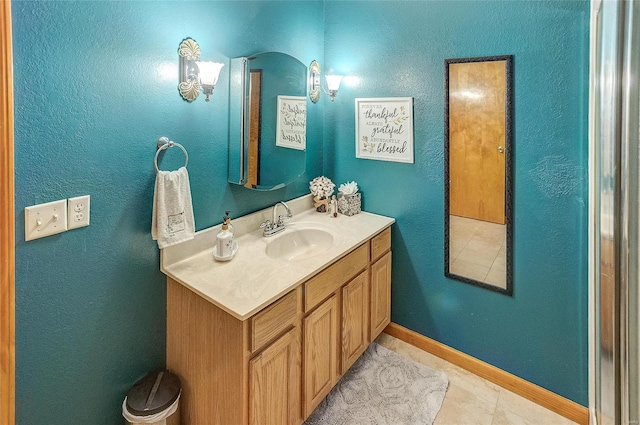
(355, 324)
(321, 337)
(277, 366)
(274, 382)
(380, 283)
(233, 371)
(209, 351)
(275, 372)
(361, 314)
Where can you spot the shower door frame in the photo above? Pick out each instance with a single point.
(614, 205)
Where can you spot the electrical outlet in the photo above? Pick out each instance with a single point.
(78, 211)
(45, 219)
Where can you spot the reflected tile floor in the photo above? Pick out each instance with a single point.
(471, 400)
(477, 250)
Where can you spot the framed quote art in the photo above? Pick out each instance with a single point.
(384, 129)
(291, 126)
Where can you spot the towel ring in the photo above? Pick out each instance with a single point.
(163, 144)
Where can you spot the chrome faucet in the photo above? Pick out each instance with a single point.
(271, 227)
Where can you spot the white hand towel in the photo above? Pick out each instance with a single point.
(172, 220)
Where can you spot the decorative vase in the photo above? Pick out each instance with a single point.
(349, 204)
(321, 203)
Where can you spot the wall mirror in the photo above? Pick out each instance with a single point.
(478, 194)
(255, 83)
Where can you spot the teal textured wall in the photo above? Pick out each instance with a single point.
(92, 96)
(398, 48)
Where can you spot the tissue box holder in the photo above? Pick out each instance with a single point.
(349, 204)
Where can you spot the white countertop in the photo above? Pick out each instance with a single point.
(252, 280)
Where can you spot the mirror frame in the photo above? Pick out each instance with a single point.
(508, 135)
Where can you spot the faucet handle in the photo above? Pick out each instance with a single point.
(282, 218)
(266, 225)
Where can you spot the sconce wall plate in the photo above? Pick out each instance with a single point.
(189, 52)
(196, 75)
(314, 81)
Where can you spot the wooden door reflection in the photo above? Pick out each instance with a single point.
(255, 113)
(476, 140)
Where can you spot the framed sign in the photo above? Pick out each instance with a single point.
(291, 125)
(384, 129)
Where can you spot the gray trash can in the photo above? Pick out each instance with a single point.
(152, 399)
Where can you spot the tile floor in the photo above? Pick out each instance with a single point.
(477, 250)
(471, 400)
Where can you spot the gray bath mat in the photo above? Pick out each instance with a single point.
(383, 388)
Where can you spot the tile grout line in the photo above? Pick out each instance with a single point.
(495, 409)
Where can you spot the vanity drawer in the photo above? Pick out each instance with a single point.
(329, 280)
(273, 320)
(380, 244)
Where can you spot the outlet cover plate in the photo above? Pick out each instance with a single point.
(45, 219)
(78, 209)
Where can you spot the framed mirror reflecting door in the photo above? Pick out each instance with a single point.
(478, 151)
(256, 159)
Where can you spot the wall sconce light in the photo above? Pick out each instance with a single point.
(315, 85)
(196, 75)
(333, 84)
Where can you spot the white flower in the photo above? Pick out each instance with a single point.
(348, 188)
(321, 186)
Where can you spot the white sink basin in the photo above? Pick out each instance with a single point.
(299, 244)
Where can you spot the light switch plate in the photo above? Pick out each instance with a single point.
(45, 219)
(78, 209)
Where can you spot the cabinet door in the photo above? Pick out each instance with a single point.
(274, 383)
(380, 295)
(320, 353)
(355, 319)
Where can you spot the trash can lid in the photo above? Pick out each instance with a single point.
(153, 393)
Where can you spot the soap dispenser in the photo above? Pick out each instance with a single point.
(226, 246)
(228, 220)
